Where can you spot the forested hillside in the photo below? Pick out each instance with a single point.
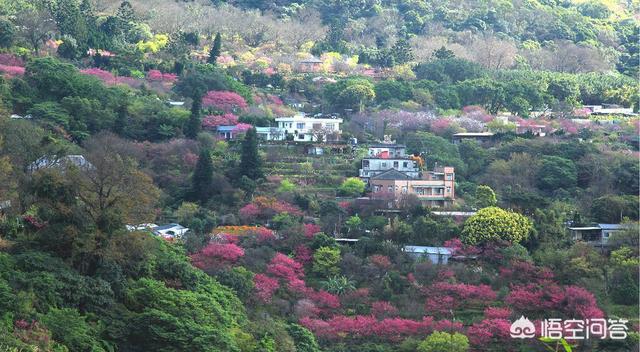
(194, 175)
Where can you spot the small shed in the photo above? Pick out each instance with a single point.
(436, 255)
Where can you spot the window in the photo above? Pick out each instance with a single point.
(376, 188)
(405, 164)
(301, 136)
(449, 177)
(404, 189)
(395, 164)
(390, 189)
(365, 163)
(300, 125)
(330, 126)
(448, 190)
(384, 165)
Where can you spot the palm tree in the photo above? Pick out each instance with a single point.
(338, 285)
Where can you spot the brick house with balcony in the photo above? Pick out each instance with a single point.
(433, 188)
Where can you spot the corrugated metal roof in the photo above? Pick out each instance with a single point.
(427, 250)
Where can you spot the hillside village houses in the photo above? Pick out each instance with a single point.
(298, 128)
(392, 175)
(596, 235)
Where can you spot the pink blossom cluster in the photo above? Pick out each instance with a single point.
(242, 128)
(265, 287)
(266, 207)
(573, 301)
(488, 330)
(311, 229)
(477, 113)
(459, 248)
(274, 99)
(213, 121)
(303, 254)
(12, 71)
(224, 100)
(497, 313)
(111, 79)
(11, 60)
(443, 296)
(525, 272)
(383, 309)
(285, 268)
(362, 326)
(217, 254)
(157, 75)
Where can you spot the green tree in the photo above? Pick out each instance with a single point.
(493, 223)
(202, 179)
(338, 285)
(402, 52)
(250, 161)
(214, 53)
(350, 93)
(70, 328)
(194, 124)
(612, 209)
(556, 173)
(485, 197)
(352, 187)
(7, 33)
(166, 319)
(325, 261)
(443, 54)
(303, 338)
(442, 341)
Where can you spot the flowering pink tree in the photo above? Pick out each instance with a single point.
(488, 331)
(477, 113)
(213, 121)
(441, 125)
(242, 128)
(217, 254)
(12, 71)
(382, 309)
(265, 287)
(266, 207)
(303, 254)
(444, 296)
(224, 100)
(497, 313)
(11, 60)
(157, 75)
(311, 229)
(285, 268)
(105, 76)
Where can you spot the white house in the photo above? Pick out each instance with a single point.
(392, 150)
(374, 166)
(597, 235)
(310, 129)
(170, 231)
(436, 255)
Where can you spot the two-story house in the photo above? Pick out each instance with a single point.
(310, 129)
(388, 156)
(373, 166)
(433, 188)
